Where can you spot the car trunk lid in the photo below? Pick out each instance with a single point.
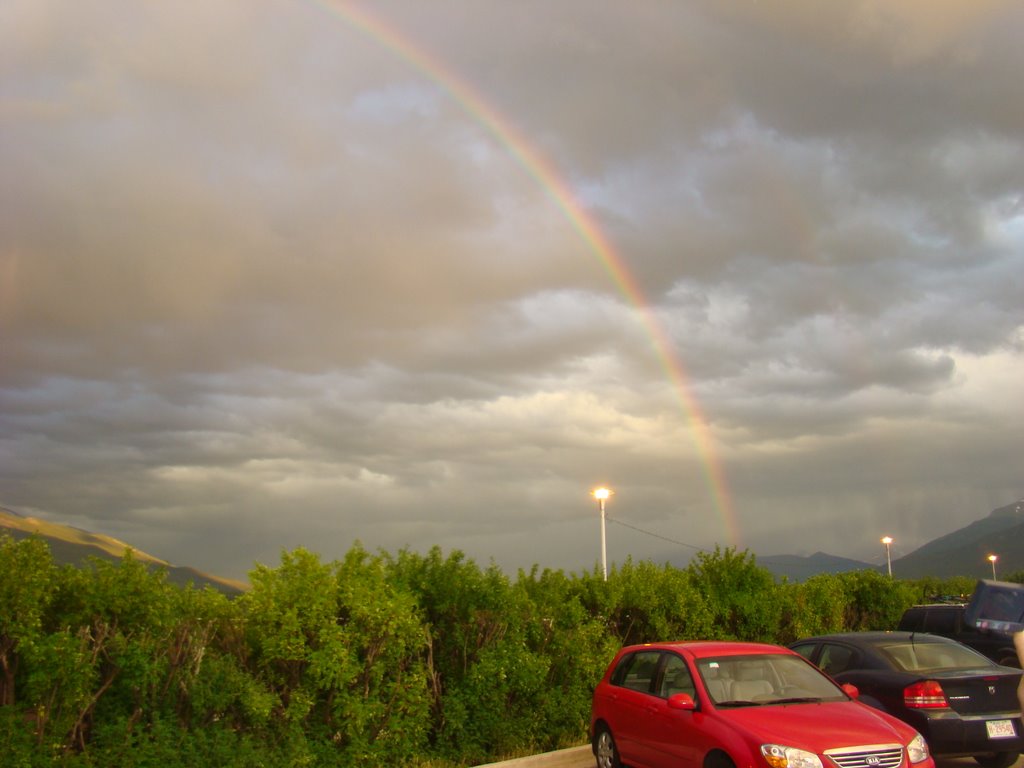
(981, 693)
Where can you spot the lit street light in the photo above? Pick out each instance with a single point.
(992, 559)
(887, 540)
(602, 494)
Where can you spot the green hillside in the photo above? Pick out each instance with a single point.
(965, 551)
(73, 546)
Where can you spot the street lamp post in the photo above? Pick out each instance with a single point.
(602, 494)
(992, 559)
(887, 540)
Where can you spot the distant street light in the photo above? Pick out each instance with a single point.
(887, 540)
(602, 494)
(992, 559)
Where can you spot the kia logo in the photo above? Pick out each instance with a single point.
(872, 760)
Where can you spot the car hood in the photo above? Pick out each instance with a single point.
(817, 727)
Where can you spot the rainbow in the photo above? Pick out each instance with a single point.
(547, 176)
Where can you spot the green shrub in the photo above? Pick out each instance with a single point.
(426, 661)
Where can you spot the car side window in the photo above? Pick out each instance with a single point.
(636, 671)
(806, 650)
(676, 677)
(940, 621)
(835, 659)
(912, 620)
(963, 627)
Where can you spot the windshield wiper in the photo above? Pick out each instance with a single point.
(741, 703)
(797, 700)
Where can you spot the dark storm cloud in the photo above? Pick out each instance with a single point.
(264, 283)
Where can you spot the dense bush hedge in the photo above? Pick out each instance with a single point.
(376, 660)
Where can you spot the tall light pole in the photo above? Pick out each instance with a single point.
(992, 559)
(602, 494)
(887, 540)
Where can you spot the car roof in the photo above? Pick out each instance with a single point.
(878, 636)
(707, 648)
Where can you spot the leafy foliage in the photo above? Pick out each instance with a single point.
(815, 607)
(742, 598)
(374, 660)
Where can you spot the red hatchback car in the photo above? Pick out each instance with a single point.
(738, 705)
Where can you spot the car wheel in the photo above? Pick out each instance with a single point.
(718, 760)
(1010, 661)
(605, 751)
(997, 759)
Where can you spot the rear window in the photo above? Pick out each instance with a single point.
(946, 620)
(636, 671)
(943, 621)
(916, 656)
(912, 619)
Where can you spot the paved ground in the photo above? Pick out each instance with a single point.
(581, 757)
(577, 757)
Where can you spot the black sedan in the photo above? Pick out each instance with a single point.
(960, 701)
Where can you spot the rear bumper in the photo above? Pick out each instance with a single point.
(949, 733)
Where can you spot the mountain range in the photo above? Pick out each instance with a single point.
(961, 553)
(73, 546)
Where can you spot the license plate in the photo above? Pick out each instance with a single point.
(1000, 729)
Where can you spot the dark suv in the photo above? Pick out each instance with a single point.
(948, 621)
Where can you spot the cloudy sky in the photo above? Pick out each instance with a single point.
(306, 273)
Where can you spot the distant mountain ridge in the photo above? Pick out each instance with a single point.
(800, 568)
(73, 546)
(963, 552)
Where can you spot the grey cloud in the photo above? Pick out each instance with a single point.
(265, 281)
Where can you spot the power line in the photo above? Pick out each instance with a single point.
(760, 559)
(611, 519)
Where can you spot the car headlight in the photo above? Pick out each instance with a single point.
(779, 756)
(917, 749)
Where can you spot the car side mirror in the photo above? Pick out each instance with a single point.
(682, 701)
(850, 690)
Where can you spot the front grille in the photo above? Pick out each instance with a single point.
(875, 756)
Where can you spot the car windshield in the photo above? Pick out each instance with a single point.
(762, 679)
(911, 656)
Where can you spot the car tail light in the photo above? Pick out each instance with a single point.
(925, 694)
